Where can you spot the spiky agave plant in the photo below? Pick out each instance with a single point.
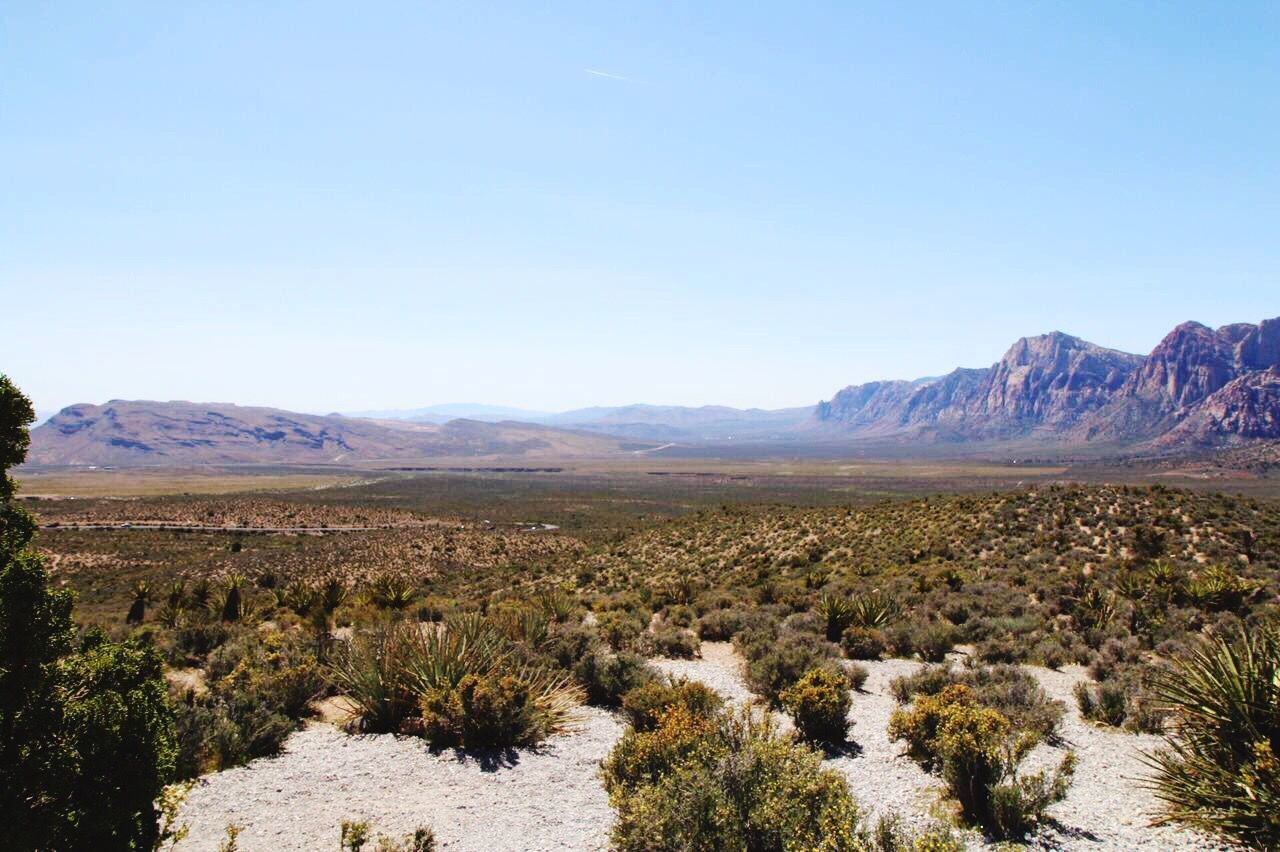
(138, 609)
(470, 645)
(1220, 771)
(875, 609)
(556, 604)
(838, 613)
(391, 591)
(370, 670)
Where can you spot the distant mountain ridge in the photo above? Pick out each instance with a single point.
(1198, 387)
(124, 432)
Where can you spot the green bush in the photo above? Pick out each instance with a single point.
(646, 704)
(607, 676)
(1220, 771)
(863, 643)
(729, 783)
(482, 712)
(819, 704)
(1008, 689)
(773, 664)
(934, 641)
(675, 642)
(87, 739)
(1105, 703)
(977, 752)
(621, 628)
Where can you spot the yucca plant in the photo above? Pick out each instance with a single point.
(1220, 771)
(233, 599)
(370, 670)
(1219, 588)
(556, 604)
(1093, 608)
(138, 609)
(333, 593)
(522, 624)
(391, 591)
(838, 614)
(875, 609)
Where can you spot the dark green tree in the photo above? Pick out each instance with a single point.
(86, 733)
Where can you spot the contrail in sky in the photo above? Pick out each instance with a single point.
(606, 74)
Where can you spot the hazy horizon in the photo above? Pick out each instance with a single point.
(312, 208)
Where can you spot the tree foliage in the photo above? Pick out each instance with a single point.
(86, 732)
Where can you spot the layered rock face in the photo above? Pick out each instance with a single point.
(1048, 381)
(1218, 383)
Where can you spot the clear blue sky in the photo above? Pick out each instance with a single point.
(328, 206)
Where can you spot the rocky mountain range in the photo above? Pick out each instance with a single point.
(125, 433)
(1199, 387)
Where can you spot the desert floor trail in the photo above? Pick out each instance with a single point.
(532, 799)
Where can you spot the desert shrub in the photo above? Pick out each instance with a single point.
(720, 625)
(354, 835)
(679, 615)
(1000, 649)
(646, 704)
(890, 835)
(1220, 771)
(933, 641)
(607, 676)
(837, 615)
(566, 644)
(1102, 702)
(876, 609)
(621, 628)
(775, 664)
(259, 687)
(863, 643)
(1019, 806)
(396, 673)
(857, 675)
(819, 704)
(1008, 689)
(674, 642)
(196, 637)
(977, 752)
(482, 712)
(730, 783)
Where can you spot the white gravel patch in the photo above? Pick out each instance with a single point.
(1108, 806)
(552, 798)
(537, 799)
(719, 667)
(880, 777)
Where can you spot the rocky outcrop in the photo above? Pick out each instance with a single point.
(1199, 385)
(1051, 380)
(1246, 408)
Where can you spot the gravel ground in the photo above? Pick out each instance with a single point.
(719, 668)
(543, 799)
(1108, 806)
(552, 798)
